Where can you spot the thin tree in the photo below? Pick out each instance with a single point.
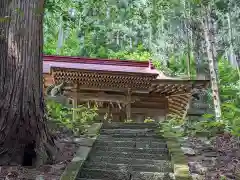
(209, 34)
(24, 137)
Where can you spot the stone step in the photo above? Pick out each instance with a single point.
(129, 125)
(164, 167)
(130, 150)
(131, 144)
(121, 175)
(128, 131)
(130, 135)
(111, 137)
(196, 111)
(199, 105)
(128, 158)
(87, 179)
(130, 155)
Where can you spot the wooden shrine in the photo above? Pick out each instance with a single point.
(123, 89)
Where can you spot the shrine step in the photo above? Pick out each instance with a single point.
(129, 125)
(123, 175)
(130, 157)
(130, 150)
(87, 179)
(162, 166)
(130, 135)
(113, 137)
(131, 144)
(128, 131)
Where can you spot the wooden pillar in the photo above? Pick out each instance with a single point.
(75, 105)
(109, 112)
(128, 111)
(128, 105)
(166, 109)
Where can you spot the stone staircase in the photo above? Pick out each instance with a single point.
(128, 151)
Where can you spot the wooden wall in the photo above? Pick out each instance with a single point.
(147, 106)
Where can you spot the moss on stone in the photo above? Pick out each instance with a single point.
(71, 171)
(178, 159)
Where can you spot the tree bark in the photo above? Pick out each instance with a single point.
(23, 130)
(209, 34)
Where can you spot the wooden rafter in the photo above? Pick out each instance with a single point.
(178, 105)
(96, 80)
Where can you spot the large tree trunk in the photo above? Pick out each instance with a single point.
(24, 137)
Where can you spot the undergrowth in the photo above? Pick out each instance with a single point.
(62, 117)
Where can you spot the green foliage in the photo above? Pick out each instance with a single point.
(128, 121)
(205, 128)
(230, 96)
(149, 120)
(173, 124)
(63, 116)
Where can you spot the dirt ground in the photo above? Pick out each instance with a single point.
(45, 172)
(211, 159)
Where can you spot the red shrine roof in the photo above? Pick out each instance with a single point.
(94, 64)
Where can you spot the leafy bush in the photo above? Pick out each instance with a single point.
(63, 116)
(149, 120)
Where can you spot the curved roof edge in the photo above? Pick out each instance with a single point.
(97, 64)
(87, 60)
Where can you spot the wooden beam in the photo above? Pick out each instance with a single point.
(179, 81)
(134, 110)
(100, 97)
(146, 104)
(114, 89)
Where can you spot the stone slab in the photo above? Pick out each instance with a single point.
(71, 171)
(164, 167)
(130, 150)
(121, 175)
(93, 129)
(179, 161)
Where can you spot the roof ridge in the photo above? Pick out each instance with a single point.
(87, 60)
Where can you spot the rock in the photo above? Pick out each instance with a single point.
(60, 166)
(205, 140)
(13, 175)
(230, 176)
(188, 151)
(197, 176)
(208, 149)
(209, 161)
(198, 168)
(40, 177)
(211, 154)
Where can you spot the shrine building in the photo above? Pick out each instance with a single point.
(124, 89)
